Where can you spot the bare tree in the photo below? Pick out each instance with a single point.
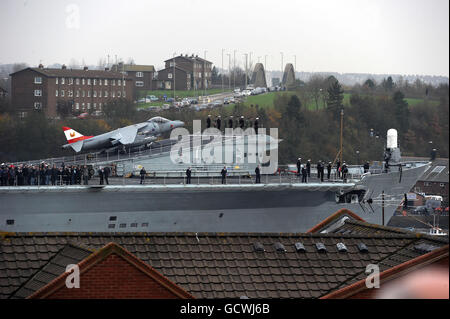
(316, 88)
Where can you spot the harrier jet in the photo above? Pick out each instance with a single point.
(124, 137)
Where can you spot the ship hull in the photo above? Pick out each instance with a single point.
(197, 208)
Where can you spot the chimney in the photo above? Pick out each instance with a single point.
(63, 67)
(41, 66)
(85, 68)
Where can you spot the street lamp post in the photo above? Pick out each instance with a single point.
(229, 71)
(234, 70)
(174, 76)
(204, 75)
(246, 55)
(221, 74)
(281, 78)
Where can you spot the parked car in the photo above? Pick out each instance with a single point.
(152, 98)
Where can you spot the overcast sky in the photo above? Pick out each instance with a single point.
(360, 36)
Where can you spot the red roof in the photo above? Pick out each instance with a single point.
(163, 288)
(391, 273)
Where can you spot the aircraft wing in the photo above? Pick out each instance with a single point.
(126, 135)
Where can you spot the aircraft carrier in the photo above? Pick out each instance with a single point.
(276, 205)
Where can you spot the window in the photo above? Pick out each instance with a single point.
(113, 82)
(62, 93)
(89, 81)
(82, 106)
(63, 80)
(95, 81)
(113, 94)
(56, 81)
(37, 105)
(89, 106)
(100, 82)
(171, 63)
(123, 94)
(22, 115)
(77, 106)
(123, 83)
(70, 93)
(442, 184)
(199, 74)
(106, 81)
(426, 184)
(78, 93)
(118, 83)
(141, 74)
(100, 93)
(83, 94)
(83, 82)
(70, 81)
(95, 106)
(139, 83)
(89, 93)
(169, 75)
(106, 93)
(95, 93)
(100, 106)
(118, 93)
(38, 80)
(56, 93)
(37, 93)
(77, 81)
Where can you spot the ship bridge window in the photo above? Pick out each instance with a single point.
(158, 119)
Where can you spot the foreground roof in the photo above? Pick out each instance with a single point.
(231, 265)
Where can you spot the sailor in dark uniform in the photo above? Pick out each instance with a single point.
(256, 125)
(258, 175)
(188, 175)
(304, 174)
(308, 168)
(208, 121)
(299, 165)
(143, 172)
(230, 121)
(224, 175)
(328, 170)
(218, 123)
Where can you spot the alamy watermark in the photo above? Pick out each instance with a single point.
(235, 147)
(73, 279)
(373, 279)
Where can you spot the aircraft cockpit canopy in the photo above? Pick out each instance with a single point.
(159, 119)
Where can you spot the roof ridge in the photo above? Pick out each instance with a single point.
(104, 252)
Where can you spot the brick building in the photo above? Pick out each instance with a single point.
(85, 90)
(198, 69)
(435, 180)
(182, 78)
(143, 76)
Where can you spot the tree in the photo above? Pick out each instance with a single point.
(215, 78)
(370, 84)
(316, 88)
(388, 84)
(335, 98)
(401, 110)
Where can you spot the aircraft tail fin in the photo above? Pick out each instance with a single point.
(72, 136)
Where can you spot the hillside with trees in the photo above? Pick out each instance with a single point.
(306, 132)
